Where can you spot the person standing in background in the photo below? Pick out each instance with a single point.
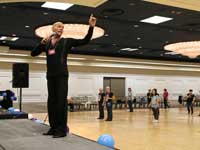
(70, 103)
(154, 104)
(101, 96)
(130, 99)
(108, 101)
(165, 98)
(149, 97)
(190, 102)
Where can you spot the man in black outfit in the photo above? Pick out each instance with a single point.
(57, 49)
(130, 99)
(190, 101)
(149, 97)
(108, 100)
(100, 101)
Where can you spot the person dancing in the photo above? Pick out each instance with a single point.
(154, 104)
(57, 49)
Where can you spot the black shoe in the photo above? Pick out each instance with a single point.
(100, 118)
(108, 120)
(56, 135)
(50, 132)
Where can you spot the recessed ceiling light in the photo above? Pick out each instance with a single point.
(129, 49)
(55, 5)
(156, 19)
(171, 53)
(3, 41)
(132, 4)
(106, 35)
(173, 12)
(136, 26)
(13, 34)
(27, 26)
(45, 13)
(14, 39)
(140, 46)
(3, 37)
(138, 38)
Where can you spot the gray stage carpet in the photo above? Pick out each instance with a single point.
(23, 134)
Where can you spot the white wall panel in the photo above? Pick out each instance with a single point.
(89, 83)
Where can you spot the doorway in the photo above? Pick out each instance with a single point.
(117, 86)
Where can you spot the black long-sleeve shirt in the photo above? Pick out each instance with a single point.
(57, 62)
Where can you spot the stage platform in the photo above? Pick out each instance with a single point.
(5, 114)
(24, 134)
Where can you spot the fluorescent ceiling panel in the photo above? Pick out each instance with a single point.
(156, 19)
(55, 5)
(129, 49)
(14, 39)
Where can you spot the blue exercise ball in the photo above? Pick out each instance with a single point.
(106, 140)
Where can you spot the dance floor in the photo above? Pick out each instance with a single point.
(136, 131)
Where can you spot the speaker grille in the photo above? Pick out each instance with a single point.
(20, 75)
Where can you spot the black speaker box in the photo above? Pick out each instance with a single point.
(20, 75)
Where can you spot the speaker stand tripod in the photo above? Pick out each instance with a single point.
(20, 99)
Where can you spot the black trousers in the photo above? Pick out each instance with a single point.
(156, 113)
(101, 110)
(130, 105)
(190, 108)
(109, 110)
(57, 103)
(71, 106)
(166, 104)
(148, 101)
